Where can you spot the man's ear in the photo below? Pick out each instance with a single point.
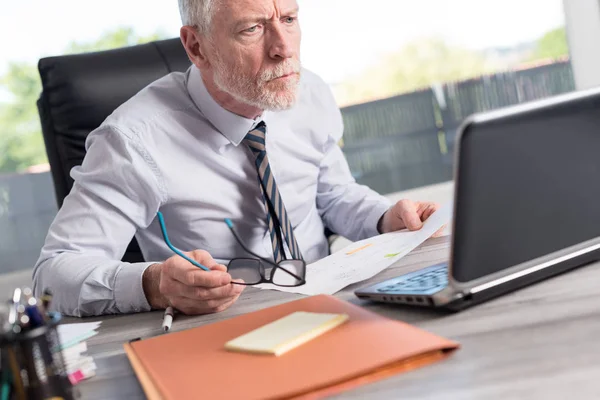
(195, 46)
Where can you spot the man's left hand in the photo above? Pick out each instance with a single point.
(407, 214)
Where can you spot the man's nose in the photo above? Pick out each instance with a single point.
(282, 43)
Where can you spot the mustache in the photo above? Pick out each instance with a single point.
(286, 67)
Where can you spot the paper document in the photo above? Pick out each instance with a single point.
(72, 337)
(363, 259)
(71, 334)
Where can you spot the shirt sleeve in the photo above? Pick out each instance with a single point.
(347, 208)
(116, 191)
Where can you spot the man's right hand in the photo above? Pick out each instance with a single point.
(187, 288)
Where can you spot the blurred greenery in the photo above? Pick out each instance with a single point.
(428, 61)
(419, 64)
(552, 45)
(21, 141)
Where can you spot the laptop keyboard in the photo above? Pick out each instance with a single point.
(426, 281)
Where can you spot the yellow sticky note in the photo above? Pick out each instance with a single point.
(286, 333)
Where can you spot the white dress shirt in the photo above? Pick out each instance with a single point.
(172, 148)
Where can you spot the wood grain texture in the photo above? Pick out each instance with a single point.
(538, 342)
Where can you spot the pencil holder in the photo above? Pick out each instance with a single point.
(33, 365)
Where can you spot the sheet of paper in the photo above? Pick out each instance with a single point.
(363, 259)
(71, 334)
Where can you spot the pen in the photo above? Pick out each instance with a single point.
(46, 299)
(33, 312)
(13, 317)
(168, 318)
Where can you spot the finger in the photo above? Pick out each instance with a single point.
(426, 206)
(409, 215)
(200, 256)
(175, 288)
(412, 221)
(222, 292)
(193, 276)
(440, 232)
(225, 306)
(219, 267)
(196, 307)
(428, 212)
(203, 257)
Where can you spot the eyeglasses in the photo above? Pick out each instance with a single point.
(253, 271)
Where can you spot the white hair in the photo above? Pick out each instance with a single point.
(197, 13)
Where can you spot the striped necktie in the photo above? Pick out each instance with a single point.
(277, 217)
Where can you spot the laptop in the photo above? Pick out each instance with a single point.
(526, 204)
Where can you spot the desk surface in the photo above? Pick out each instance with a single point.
(540, 342)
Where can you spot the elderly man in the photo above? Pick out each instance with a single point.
(244, 134)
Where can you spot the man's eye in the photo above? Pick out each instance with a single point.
(251, 29)
(289, 20)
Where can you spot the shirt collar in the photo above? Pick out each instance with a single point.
(233, 127)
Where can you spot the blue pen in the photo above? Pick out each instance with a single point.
(36, 318)
(31, 309)
(173, 248)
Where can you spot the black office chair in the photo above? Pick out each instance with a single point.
(80, 91)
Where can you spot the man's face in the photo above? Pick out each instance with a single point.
(255, 51)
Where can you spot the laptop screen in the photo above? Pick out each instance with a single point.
(528, 185)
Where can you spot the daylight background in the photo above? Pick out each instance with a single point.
(364, 53)
(405, 74)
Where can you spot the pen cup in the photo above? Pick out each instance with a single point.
(35, 361)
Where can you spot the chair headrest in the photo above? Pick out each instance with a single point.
(81, 90)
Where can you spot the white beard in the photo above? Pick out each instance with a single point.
(259, 94)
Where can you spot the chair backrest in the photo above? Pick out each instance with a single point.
(79, 91)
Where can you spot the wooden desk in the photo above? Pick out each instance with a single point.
(540, 342)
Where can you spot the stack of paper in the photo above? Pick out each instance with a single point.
(72, 343)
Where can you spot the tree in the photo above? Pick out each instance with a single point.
(552, 45)
(21, 142)
(418, 65)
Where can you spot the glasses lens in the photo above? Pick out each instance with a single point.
(290, 273)
(247, 269)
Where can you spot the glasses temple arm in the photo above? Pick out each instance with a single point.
(230, 225)
(163, 229)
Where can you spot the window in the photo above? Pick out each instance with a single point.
(404, 72)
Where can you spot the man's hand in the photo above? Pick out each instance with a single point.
(189, 289)
(407, 214)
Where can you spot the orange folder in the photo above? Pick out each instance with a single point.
(194, 364)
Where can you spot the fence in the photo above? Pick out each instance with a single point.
(407, 141)
(27, 207)
(391, 145)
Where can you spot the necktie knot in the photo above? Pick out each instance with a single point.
(255, 139)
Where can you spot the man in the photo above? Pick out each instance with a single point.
(192, 146)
